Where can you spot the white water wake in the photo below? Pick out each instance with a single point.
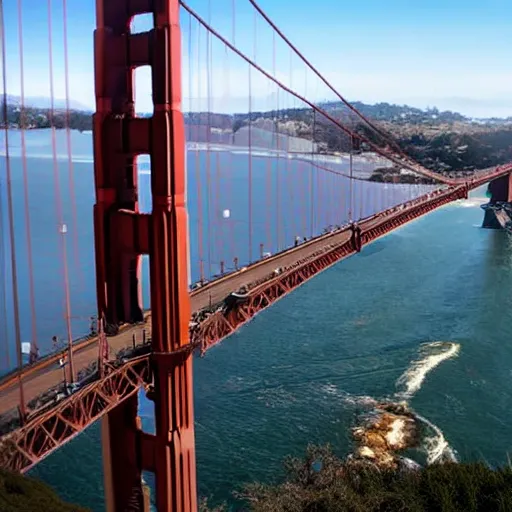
(436, 446)
(433, 442)
(471, 203)
(433, 354)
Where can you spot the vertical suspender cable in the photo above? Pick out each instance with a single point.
(367, 202)
(311, 181)
(250, 168)
(10, 210)
(230, 220)
(276, 125)
(318, 198)
(214, 173)
(332, 220)
(289, 182)
(189, 128)
(371, 199)
(351, 202)
(71, 171)
(339, 188)
(4, 333)
(361, 192)
(278, 178)
(330, 185)
(208, 154)
(302, 169)
(198, 162)
(223, 177)
(58, 200)
(268, 200)
(250, 198)
(216, 210)
(28, 231)
(3, 229)
(327, 198)
(229, 195)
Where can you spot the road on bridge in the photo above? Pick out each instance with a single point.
(49, 374)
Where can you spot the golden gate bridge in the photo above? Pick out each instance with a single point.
(296, 174)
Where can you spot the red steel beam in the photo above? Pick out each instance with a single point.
(173, 446)
(118, 137)
(25, 447)
(220, 325)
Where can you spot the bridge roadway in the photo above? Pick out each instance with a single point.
(47, 374)
(57, 423)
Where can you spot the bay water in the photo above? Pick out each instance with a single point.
(422, 313)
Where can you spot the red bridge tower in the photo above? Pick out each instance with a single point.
(123, 234)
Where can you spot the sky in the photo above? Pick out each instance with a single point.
(453, 54)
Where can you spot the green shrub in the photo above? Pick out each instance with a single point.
(24, 494)
(321, 482)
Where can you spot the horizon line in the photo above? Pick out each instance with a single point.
(427, 109)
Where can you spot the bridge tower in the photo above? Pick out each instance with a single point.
(500, 190)
(123, 234)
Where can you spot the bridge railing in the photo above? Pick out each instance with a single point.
(26, 395)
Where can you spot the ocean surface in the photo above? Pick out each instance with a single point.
(288, 197)
(422, 314)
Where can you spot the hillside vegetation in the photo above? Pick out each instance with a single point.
(442, 141)
(24, 494)
(321, 482)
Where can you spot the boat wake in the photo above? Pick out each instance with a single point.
(390, 426)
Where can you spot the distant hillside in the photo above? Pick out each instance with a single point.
(41, 102)
(442, 141)
(455, 146)
(400, 113)
(404, 114)
(32, 118)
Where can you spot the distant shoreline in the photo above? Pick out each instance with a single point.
(444, 142)
(337, 161)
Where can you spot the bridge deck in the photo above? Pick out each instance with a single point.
(60, 421)
(48, 374)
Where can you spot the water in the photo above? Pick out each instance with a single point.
(282, 207)
(300, 371)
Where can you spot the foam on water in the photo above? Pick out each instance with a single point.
(474, 202)
(434, 444)
(433, 354)
(396, 435)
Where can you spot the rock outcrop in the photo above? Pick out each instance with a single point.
(388, 430)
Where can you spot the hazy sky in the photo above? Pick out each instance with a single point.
(449, 53)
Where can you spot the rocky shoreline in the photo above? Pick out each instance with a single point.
(389, 429)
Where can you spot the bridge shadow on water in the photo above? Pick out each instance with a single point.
(374, 248)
